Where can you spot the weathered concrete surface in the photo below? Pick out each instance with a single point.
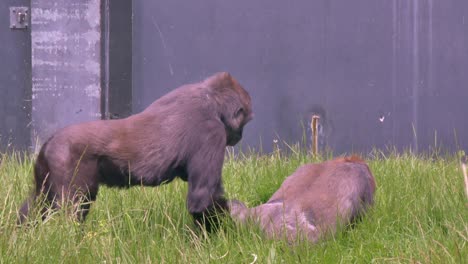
(66, 64)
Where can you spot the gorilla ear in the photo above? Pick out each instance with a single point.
(232, 117)
(239, 112)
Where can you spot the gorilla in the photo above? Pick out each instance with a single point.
(182, 134)
(313, 201)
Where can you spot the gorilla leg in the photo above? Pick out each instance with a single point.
(42, 203)
(75, 192)
(83, 204)
(83, 188)
(25, 209)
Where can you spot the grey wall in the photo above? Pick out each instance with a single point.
(66, 64)
(353, 62)
(15, 81)
(117, 58)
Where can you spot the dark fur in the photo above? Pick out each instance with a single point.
(314, 200)
(182, 134)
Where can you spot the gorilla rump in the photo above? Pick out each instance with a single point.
(314, 200)
(182, 134)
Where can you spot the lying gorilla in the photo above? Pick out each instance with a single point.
(314, 200)
(182, 134)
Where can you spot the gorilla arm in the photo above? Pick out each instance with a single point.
(205, 199)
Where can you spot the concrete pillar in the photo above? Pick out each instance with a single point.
(66, 64)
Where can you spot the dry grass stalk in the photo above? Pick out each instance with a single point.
(314, 127)
(465, 174)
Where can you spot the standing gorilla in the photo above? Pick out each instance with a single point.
(183, 133)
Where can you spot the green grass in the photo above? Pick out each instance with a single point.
(420, 215)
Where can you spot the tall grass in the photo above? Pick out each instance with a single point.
(420, 215)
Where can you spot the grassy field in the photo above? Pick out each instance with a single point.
(420, 215)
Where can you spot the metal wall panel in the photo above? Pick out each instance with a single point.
(380, 73)
(15, 81)
(117, 58)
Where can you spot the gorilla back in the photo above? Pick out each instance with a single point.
(182, 134)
